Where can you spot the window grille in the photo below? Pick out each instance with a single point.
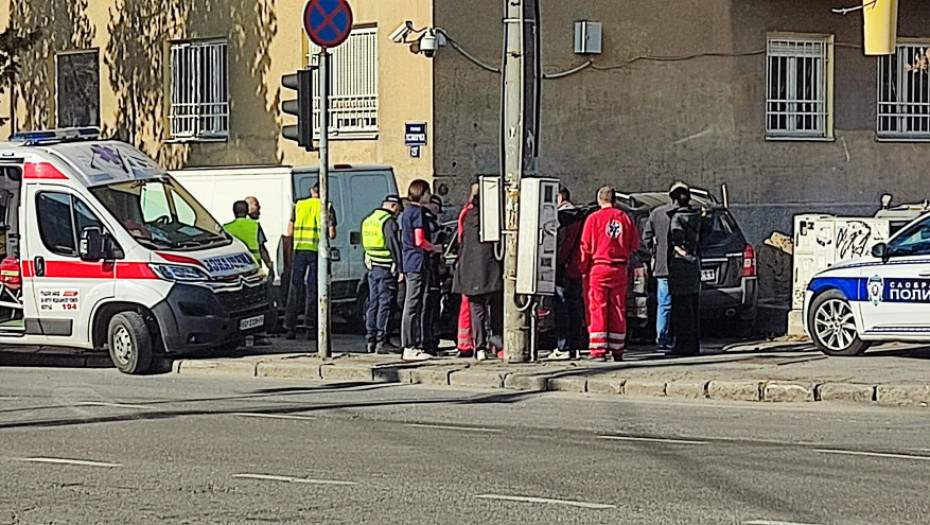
(796, 87)
(353, 85)
(903, 96)
(199, 90)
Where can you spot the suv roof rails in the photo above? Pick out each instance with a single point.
(705, 193)
(50, 136)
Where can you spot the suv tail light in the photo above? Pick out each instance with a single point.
(640, 278)
(749, 261)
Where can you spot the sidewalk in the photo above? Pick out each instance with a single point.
(767, 371)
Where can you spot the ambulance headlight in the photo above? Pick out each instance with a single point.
(177, 272)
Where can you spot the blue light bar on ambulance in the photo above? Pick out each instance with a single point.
(31, 138)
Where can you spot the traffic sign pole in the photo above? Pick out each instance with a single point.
(323, 275)
(328, 24)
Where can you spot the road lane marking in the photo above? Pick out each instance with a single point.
(654, 440)
(101, 404)
(873, 454)
(289, 479)
(63, 461)
(273, 416)
(455, 427)
(768, 522)
(530, 499)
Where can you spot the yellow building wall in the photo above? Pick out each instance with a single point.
(265, 41)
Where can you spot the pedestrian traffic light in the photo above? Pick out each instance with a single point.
(880, 25)
(302, 108)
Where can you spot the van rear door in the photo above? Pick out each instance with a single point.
(64, 288)
(366, 193)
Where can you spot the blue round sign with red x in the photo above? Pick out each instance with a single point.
(328, 22)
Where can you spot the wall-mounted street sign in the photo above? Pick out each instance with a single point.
(415, 133)
(328, 22)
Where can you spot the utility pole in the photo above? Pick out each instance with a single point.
(323, 254)
(518, 129)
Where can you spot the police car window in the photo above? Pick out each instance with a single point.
(914, 241)
(56, 227)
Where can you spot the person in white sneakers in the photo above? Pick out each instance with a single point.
(479, 276)
(416, 248)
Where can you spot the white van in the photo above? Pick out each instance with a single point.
(113, 253)
(354, 190)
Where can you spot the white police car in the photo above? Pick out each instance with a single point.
(885, 297)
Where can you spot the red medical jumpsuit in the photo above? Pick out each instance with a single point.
(608, 240)
(464, 342)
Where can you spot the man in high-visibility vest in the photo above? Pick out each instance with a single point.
(305, 228)
(245, 229)
(383, 252)
(248, 230)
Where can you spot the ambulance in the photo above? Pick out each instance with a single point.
(103, 250)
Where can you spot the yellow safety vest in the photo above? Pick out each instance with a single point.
(373, 240)
(307, 219)
(246, 230)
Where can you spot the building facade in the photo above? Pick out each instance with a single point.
(197, 83)
(773, 98)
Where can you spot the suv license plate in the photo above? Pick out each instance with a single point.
(709, 275)
(252, 322)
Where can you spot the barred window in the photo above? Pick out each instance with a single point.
(903, 96)
(354, 85)
(798, 71)
(199, 90)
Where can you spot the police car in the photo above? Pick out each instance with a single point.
(885, 297)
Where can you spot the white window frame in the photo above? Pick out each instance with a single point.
(198, 106)
(903, 108)
(58, 101)
(799, 108)
(353, 100)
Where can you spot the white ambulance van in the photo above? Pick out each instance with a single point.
(104, 250)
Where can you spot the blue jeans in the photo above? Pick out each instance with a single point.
(569, 314)
(382, 285)
(302, 293)
(663, 312)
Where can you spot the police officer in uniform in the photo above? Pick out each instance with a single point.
(383, 257)
(305, 228)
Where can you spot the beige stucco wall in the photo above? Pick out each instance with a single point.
(265, 41)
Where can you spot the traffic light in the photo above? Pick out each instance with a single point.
(302, 108)
(880, 24)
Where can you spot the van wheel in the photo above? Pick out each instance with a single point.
(832, 325)
(130, 343)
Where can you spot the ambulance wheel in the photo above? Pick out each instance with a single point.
(130, 343)
(832, 325)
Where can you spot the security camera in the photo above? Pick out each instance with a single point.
(399, 35)
(430, 42)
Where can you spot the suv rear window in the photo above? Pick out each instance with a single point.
(721, 227)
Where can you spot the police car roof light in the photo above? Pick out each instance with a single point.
(31, 138)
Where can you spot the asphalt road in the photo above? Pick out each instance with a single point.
(94, 446)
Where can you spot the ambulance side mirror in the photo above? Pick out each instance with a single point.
(880, 251)
(93, 245)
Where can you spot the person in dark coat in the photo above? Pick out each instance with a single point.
(479, 276)
(655, 238)
(684, 271)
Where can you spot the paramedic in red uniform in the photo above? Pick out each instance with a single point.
(608, 240)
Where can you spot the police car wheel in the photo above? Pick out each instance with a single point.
(832, 325)
(129, 343)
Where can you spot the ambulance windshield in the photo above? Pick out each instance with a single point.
(159, 213)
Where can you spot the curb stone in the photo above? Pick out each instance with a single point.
(688, 389)
(574, 384)
(734, 390)
(331, 372)
(606, 386)
(218, 368)
(902, 394)
(534, 382)
(846, 392)
(476, 378)
(775, 392)
(292, 370)
(644, 388)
